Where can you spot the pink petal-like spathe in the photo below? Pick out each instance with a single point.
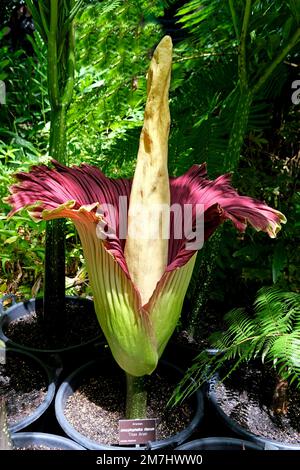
(137, 334)
(220, 202)
(86, 185)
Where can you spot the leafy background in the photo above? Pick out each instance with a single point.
(115, 40)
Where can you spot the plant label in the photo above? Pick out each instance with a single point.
(137, 431)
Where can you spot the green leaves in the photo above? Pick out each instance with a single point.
(41, 12)
(115, 41)
(294, 6)
(12, 239)
(217, 35)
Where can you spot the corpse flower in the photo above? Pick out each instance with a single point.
(139, 282)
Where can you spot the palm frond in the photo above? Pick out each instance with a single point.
(209, 22)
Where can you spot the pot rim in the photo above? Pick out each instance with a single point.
(69, 386)
(4, 320)
(269, 444)
(227, 441)
(47, 438)
(51, 377)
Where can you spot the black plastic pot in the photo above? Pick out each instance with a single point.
(72, 382)
(51, 375)
(184, 353)
(76, 354)
(219, 443)
(28, 439)
(238, 430)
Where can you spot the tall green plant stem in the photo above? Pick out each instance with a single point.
(242, 111)
(268, 72)
(136, 397)
(247, 92)
(60, 87)
(242, 60)
(234, 18)
(238, 130)
(235, 143)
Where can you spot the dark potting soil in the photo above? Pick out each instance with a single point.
(23, 386)
(97, 405)
(81, 325)
(247, 396)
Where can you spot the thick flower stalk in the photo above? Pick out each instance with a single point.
(139, 284)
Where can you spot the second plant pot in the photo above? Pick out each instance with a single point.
(219, 443)
(43, 441)
(238, 429)
(28, 386)
(20, 328)
(85, 384)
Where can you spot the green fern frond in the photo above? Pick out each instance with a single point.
(276, 310)
(208, 21)
(271, 334)
(286, 352)
(240, 325)
(108, 6)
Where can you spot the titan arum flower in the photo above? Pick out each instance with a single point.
(139, 282)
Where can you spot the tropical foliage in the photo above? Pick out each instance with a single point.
(114, 42)
(271, 333)
(233, 61)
